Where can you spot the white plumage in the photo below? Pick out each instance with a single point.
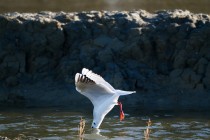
(103, 96)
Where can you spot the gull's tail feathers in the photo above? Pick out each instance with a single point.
(122, 92)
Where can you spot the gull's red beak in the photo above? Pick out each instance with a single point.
(122, 115)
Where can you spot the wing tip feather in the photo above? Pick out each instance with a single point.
(85, 71)
(77, 77)
(82, 78)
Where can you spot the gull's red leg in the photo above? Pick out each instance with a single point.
(122, 115)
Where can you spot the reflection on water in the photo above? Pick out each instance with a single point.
(85, 5)
(63, 124)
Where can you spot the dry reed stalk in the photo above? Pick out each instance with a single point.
(147, 131)
(81, 127)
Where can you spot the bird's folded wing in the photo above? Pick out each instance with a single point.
(96, 92)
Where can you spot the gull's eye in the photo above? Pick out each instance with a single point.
(94, 123)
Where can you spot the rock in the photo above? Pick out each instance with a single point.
(190, 77)
(186, 75)
(69, 68)
(105, 55)
(200, 67)
(191, 61)
(208, 70)
(180, 59)
(162, 68)
(118, 80)
(21, 57)
(131, 50)
(11, 81)
(163, 56)
(111, 66)
(134, 74)
(195, 41)
(206, 79)
(176, 73)
(180, 44)
(204, 51)
(40, 64)
(102, 40)
(3, 71)
(86, 59)
(199, 87)
(11, 65)
(135, 32)
(15, 100)
(116, 45)
(9, 58)
(55, 38)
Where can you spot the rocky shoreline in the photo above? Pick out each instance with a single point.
(165, 56)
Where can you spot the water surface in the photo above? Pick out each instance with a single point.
(57, 124)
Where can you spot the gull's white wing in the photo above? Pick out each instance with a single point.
(93, 88)
(96, 78)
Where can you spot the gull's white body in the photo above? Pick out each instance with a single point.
(103, 96)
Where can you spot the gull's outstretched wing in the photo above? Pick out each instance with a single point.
(93, 86)
(96, 78)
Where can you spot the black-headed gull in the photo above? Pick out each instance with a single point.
(103, 96)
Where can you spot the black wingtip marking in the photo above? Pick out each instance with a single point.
(84, 79)
(78, 79)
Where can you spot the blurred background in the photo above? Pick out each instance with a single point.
(195, 6)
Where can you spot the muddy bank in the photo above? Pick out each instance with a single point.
(163, 55)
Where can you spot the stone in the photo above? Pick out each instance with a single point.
(131, 50)
(111, 66)
(206, 82)
(200, 67)
(13, 67)
(152, 53)
(162, 67)
(15, 100)
(190, 77)
(206, 79)
(191, 61)
(204, 51)
(180, 44)
(11, 81)
(133, 64)
(105, 55)
(135, 32)
(21, 57)
(199, 87)
(207, 74)
(3, 70)
(10, 58)
(116, 45)
(117, 79)
(68, 68)
(175, 73)
(180, 59)
(40, 64)
(102, 40)
(55, 39)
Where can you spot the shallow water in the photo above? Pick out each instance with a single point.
(53, 124)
